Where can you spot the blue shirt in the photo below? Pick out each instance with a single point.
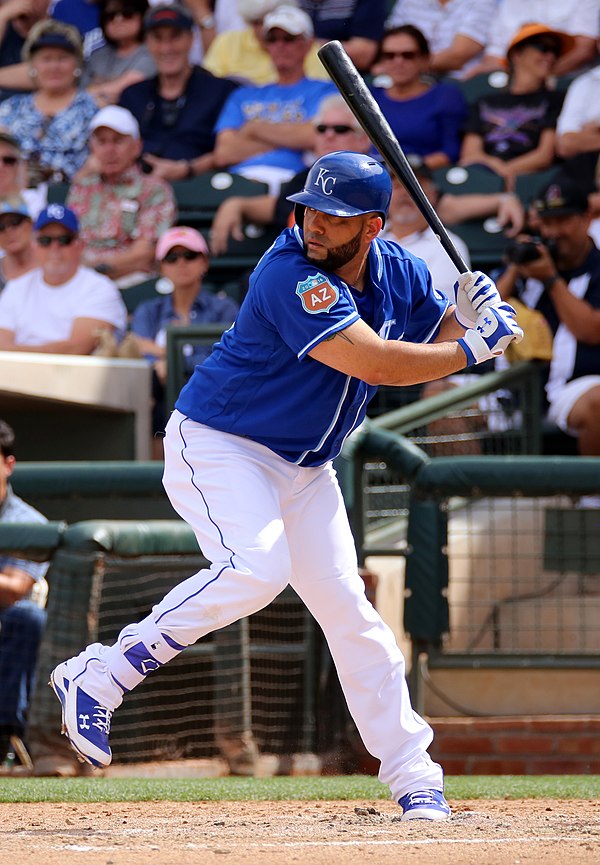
(152, 317)
(343, 19)
(260, 381)
(430, 123)
(14, 510)
(188, 131)
(276, 103)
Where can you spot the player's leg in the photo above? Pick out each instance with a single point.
(227, 489)
(369, 663)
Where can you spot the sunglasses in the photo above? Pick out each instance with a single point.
(405, 55)
(543, 46)
(9, 160)
(12, 222)
(338, 128)
(123, 13)
(271, 38)
(187, 255)
(61, 240)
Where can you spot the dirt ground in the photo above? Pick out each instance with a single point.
(548, 832)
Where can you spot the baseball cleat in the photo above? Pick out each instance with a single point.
(85, 723)
(424, 805)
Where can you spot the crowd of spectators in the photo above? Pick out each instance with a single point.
(117, 100)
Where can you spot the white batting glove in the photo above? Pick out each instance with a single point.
(473, 292)
(494, 330)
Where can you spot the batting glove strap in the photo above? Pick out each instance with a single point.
(494, 330)
(473, 292)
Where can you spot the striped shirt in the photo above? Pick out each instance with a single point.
(442, 22)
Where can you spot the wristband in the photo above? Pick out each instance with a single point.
(550, 282)
(190, 170)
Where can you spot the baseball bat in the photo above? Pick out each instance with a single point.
(361, 102)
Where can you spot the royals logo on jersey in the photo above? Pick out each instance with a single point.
(317, 293)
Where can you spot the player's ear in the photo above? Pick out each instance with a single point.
(373, 226)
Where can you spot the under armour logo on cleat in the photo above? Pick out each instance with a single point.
(83, 723)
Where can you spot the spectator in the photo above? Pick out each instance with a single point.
(262, 132)
(407, 225)
(578, 125)
(564, 284)
(123, 59)
(13, 171)
(183, 258)
(426, 118)
(121, 210)
(60, 306)
(22, 617)
(513, 132)
(579, 18)
(16, 240)
(242, 54)
(51, 124)
(457, 30)
(17, 17)
(84, 16)
(336, 128)
(358, 24)
(177, 109)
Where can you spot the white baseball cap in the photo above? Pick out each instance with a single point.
(119, 119)
(291, 19)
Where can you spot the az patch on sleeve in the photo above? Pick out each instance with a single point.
(317, 293)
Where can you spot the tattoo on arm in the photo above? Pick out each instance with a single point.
(342, 335)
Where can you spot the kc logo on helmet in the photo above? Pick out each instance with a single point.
(317, 293)
(326, 183)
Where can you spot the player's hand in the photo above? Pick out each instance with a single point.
(494, 330)
(472, 293)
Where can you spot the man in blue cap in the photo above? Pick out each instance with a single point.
(59, 307)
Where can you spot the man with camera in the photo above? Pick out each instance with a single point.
(559, 274)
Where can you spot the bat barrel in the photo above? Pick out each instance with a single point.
(361, 102)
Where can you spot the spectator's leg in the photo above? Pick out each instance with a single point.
(584, 419)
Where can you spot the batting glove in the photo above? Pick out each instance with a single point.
(473, 292)
(495, 328)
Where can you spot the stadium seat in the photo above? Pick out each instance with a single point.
(198, 199)
(485, 240)
(528, 186)
(467, 179)
(480, 85)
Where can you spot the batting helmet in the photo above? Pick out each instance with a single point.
(346, 184)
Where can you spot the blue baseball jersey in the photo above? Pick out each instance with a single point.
(260, 381)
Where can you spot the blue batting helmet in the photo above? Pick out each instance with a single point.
(346, 184)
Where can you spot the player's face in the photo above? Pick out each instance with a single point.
(334, 241)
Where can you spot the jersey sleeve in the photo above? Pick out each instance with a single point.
(304, 304)
(428, 306)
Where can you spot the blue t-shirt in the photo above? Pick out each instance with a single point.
(277, 103)
(260, 381)
(430, 123)
(343, 19)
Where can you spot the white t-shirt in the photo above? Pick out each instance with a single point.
(582, 103)
(577, 17)
(426, 245)
(38, 313)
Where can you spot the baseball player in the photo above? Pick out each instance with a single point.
(332, 312)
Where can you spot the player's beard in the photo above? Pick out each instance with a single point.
(338, 256)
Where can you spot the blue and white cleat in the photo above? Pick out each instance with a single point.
(85, 723)
(424, 805)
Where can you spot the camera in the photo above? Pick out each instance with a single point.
(526, 251)
(523, 251)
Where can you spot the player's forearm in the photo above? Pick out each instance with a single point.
(410, 363)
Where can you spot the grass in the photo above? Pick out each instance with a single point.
(285, 788)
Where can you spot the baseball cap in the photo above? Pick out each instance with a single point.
(291, 19)
(530, 31)
(61, 215)
(181, 235)
(119, 119)
(168, 15)
(561, 198)
(14, 205)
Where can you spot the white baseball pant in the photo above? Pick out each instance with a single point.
(263, 523)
